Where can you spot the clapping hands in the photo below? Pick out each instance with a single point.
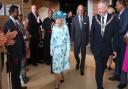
(2, 39)
(10, 36)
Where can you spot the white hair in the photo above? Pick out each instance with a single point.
(78, 8)
(105, 2)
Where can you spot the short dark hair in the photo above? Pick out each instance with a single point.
(110, 6)
(122, 2)
(12, 9)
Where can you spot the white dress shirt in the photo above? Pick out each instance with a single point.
(103, 25)
(80, 21)
(105, 18)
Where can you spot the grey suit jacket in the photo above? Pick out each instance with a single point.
(79, 36)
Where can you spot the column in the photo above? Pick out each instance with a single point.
(90, 10)
(110, 2)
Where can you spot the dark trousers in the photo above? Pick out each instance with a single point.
(15, 73)
(119, 62)
(77, 49)
(15, 67)
(100, 69)
(47, 56)
(34, 50)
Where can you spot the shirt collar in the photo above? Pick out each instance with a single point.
(80, 16)
(105, 16)
(12, 19)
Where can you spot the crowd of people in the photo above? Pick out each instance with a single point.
(108, 39)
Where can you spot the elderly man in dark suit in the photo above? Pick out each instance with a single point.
(34, 24)
(80, 36)
(104, 28)
(16, 51)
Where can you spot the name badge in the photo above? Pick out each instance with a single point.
(85, 23)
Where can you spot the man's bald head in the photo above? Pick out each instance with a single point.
(80, 10)
(34, 8)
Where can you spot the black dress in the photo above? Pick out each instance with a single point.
(47, 26)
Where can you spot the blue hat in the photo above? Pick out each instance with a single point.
(59, 14)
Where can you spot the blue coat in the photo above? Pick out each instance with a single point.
(123, 22)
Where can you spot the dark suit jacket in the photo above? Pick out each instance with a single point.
(102, 46)
(18, 49)
(33, 26)
(123, 22)
(47, 24)
(80, 36)
(69, 22)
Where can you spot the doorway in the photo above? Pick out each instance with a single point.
(71, 5)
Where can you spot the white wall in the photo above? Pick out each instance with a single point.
(90, 10)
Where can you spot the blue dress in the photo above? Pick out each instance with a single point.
(60, 48)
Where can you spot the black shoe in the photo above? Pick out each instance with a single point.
(41, 62)
(35, 64)
(62, 81)
(122, 86)
(48, 63)
(114, 78)
(100, 88)
(109, 68)
(82, 73)
(105, 66)
(77, 66)
(26, 80)
(23, 87)
(52, 72)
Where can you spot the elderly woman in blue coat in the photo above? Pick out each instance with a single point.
(60, 47)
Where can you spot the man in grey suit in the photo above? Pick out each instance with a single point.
(80, 37)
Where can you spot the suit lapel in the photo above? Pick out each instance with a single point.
(108, 17)
(123, 12)
(84, 22)
(33, 16)
(14, 27)
(99, 17)
(77, 17)
(13, 24)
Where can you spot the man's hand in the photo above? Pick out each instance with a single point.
(2, 39)
(126, 40)
(10, 42)
(27, 37)
(2, 49)
(11, 35)
(114, 55)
